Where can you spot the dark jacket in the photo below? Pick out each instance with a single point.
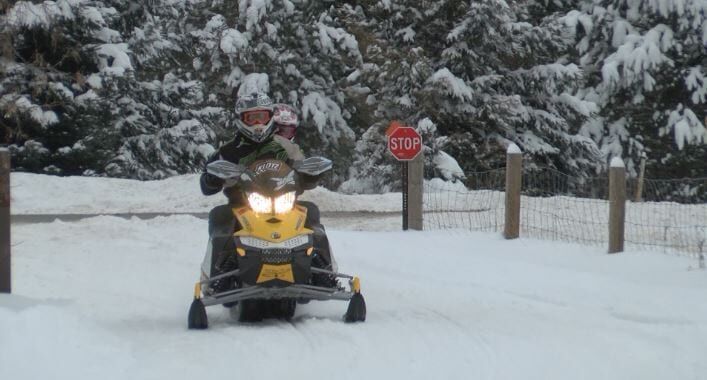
(244, 152)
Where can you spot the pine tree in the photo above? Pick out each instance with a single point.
(646, 63)
(112, 88)
(75, 102)
(50, 116)
(298, 52)
(484, 76)
(165, 118)
(505, 80)
(392, 84)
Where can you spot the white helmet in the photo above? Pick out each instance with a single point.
(255, 116)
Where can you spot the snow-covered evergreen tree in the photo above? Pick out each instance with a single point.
(646, 62)
(301, 54)
(79, 99)
(483, 75)
(49, 112)
(147, 90)
(155, 84)
(165, 116)
(506, 80)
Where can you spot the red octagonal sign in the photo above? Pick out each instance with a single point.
(404, 143)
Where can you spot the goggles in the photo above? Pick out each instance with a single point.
(256, 117)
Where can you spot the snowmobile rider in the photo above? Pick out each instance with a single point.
(285, 118)
(256, 139)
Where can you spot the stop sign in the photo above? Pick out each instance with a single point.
(404, 143)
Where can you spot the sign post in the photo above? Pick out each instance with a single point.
(405, 144)
(406, 195)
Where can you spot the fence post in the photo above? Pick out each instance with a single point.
(5, 264)
(641, 173)
(415, 188)
(617, 204)
(514, 162)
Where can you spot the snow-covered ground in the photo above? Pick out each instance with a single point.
(665, 226)
(107, 298)
(43, 194)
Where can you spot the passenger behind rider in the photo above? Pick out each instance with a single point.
(264, 130)
(286, 121)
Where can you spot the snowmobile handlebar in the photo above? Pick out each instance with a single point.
(309, 171)
(227, 171)
(312, 166)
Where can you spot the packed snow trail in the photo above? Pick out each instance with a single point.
(107, 298)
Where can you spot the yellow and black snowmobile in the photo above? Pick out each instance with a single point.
(269, 264)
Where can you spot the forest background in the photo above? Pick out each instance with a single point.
(146, 89)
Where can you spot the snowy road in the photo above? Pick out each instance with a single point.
(390, 221)
(107, 298)
(352, 221)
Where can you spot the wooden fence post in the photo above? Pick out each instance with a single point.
(514, 162)
(5, 264)
(641, 174)
(415, 188)
(617, 205)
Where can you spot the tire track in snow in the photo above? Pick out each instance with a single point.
(482, 346)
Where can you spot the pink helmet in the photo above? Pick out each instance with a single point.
(286, 121)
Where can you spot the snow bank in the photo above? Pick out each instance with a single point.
(43, 194)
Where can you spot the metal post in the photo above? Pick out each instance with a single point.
(514, 162)
(415, 188)
(617, 205)
(404, 166)
(5, 263)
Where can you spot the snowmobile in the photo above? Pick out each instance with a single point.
(268, 265)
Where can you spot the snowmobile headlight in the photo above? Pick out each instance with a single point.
(266, 205)
(284, 202)
(259, 203)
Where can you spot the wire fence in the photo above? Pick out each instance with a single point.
(561, 207)
(448, 206)
(671, 218)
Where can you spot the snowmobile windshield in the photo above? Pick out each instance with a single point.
(271, 178)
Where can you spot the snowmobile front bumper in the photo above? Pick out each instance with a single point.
(293, 291)
(296, 291)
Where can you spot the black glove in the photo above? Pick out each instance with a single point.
(212, 181)
(307, 182)
(210, 184)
